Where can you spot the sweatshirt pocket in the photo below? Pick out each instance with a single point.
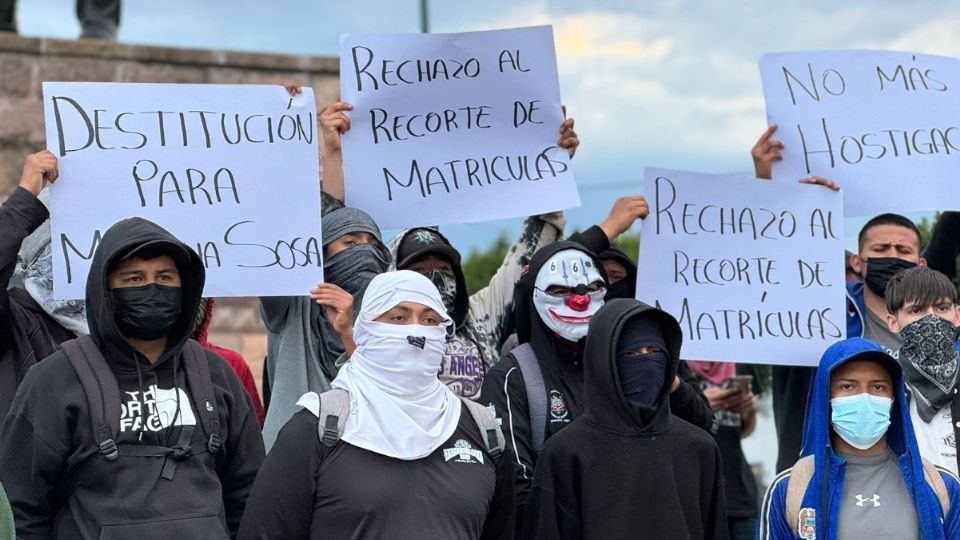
(207, 526)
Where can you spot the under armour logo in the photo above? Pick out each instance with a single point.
(417, 341)
(875, 500)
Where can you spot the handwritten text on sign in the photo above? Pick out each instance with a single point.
(885, 125)
(753, 270)
(454, 128)
(230, 170)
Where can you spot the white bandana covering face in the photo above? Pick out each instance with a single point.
(568, 315)
(398, 406)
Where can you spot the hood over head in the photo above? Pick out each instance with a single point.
(627, 287)
(120, 241)
(606, 404)
(900, 435)
(412, 244)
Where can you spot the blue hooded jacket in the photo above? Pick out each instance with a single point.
(826, 485)
(856, 307)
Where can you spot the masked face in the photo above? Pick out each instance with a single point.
(880, 270)
(146, 313)
(446, 283)
(568, 291)
(860, 420)
(353, 268)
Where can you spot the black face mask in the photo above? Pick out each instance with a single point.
(147, 312)
(353, 268)
(880, 270)
(446, 283)
(642, 378)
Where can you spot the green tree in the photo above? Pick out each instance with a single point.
(480, 266)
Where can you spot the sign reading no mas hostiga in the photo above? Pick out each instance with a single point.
(231, 170)
(885, 125)
(454, 128)
(753, 270)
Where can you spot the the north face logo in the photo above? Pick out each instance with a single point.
(463, 452)
(417, 341)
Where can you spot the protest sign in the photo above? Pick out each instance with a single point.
(230, 170)
(884, 125)
(454, 128)
(753, 270)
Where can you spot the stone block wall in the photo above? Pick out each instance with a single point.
(25, 63)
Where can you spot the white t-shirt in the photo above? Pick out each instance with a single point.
(936, 440)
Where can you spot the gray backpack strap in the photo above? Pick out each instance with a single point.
(489, 428)
(800, 476)
(334, 409)
(931, 473)
(536, 393)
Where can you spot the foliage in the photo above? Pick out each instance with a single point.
(480, 266)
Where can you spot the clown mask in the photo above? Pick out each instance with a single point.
(567, 293)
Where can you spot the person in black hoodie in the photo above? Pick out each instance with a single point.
(566, 282)
(627, 467)
(160, 473)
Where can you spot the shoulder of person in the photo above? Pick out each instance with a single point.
(54, 371)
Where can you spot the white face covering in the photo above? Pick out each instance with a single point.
(398, 407)
(568, 314)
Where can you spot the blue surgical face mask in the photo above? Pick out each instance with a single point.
(861, 420)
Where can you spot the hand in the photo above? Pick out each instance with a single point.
(338, 306)
(333, 123)
(294, 89)
(746, 406)
(568, 137)
(39, 170)
(676, 384)
(821, 181)
(624, 212)
(765, 152)
(722, 399)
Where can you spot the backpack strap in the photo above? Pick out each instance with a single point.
(536, 393)
(489, 428)
(332, 411)
(800, 476)
(931, 473)
(102, 391)
(201, 393)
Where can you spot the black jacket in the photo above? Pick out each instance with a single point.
(27, 333)
(610, 474)
(58, 483)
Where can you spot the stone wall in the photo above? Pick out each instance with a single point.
(26, 62)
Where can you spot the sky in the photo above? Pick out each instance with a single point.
(670, 84)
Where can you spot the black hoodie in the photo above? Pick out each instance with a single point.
(612, 475)
(58, 483)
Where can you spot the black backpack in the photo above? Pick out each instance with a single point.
(103, 400)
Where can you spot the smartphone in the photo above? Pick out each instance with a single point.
(740, 382)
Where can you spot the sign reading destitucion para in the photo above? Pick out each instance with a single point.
(884, 125)
(230, 170)
(753, 270)
(454, 128)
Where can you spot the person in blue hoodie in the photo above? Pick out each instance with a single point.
(860, 475)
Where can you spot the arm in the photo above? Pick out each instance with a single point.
(715, 521)
(33, 454)
(951, 522)
(772, 522)
(688, 402)
(334, 122)
(20, 216)
(242, 447)
(503, 388)
(546, 516)
(625, 211)
(281, 501)
(501, 516)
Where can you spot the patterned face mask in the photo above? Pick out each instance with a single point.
(446, 283)
(929, 357)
